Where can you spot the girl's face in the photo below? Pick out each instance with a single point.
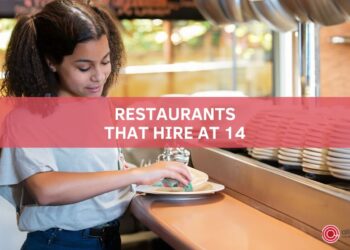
(84, 73)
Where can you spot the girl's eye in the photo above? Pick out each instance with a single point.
(105, 63)
(83, 69)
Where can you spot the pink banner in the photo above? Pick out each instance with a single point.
(175, 121)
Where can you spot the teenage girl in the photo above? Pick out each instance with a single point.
(69, 198)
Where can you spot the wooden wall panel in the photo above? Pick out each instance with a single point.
(335, 62)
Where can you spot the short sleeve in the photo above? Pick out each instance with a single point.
(17, 164)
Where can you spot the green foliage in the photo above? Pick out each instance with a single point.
(145, 35)
(7, 24)
(6, 27)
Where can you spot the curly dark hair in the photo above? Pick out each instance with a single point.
(50, 35)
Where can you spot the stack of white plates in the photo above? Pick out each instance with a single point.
(250, 151)
(340, 133)
(264, 153)
(314, 161)
(252, 128)
(268, 135)
(317, 136)
(314, 153)
(338, 160)
(294, 134)
(290, 156)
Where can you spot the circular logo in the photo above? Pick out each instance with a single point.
(330, 234)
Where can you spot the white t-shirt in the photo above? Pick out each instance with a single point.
(17, 164)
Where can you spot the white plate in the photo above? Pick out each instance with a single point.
(316, 162)
(342, 172)
(338, 142)
(315, 141)
(265, 150)
(259, 152)
(338, 160)
(265, 153)
(339, 130)
(289, 154)
(263, 157)
(315, 171)
(318, 150)
(314, 166)
(339, 155)
(340, 176)
(315, 154)
(340, 150)
(314, 158)
(339, 165)
(292, 150)
(286, 158)
(205, 188)
(181, 198)
(289, 163)
(293, 140)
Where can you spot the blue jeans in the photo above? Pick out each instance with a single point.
(59, 239)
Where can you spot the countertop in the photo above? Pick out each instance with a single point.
(218, 221)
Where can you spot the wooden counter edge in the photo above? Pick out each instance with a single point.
(141, 207)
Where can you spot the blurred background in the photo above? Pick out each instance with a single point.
(172, 49)
(187, 56)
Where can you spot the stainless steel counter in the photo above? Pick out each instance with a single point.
(300, 202)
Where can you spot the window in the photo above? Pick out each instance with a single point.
(183, 57)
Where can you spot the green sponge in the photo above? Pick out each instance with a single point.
(167, 182)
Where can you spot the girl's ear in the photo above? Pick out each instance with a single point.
(51, 65)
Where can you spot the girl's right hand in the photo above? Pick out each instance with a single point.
(164, 169)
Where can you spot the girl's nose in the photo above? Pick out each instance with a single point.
(98, 75)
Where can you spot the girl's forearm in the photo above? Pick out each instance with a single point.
(53, 188)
